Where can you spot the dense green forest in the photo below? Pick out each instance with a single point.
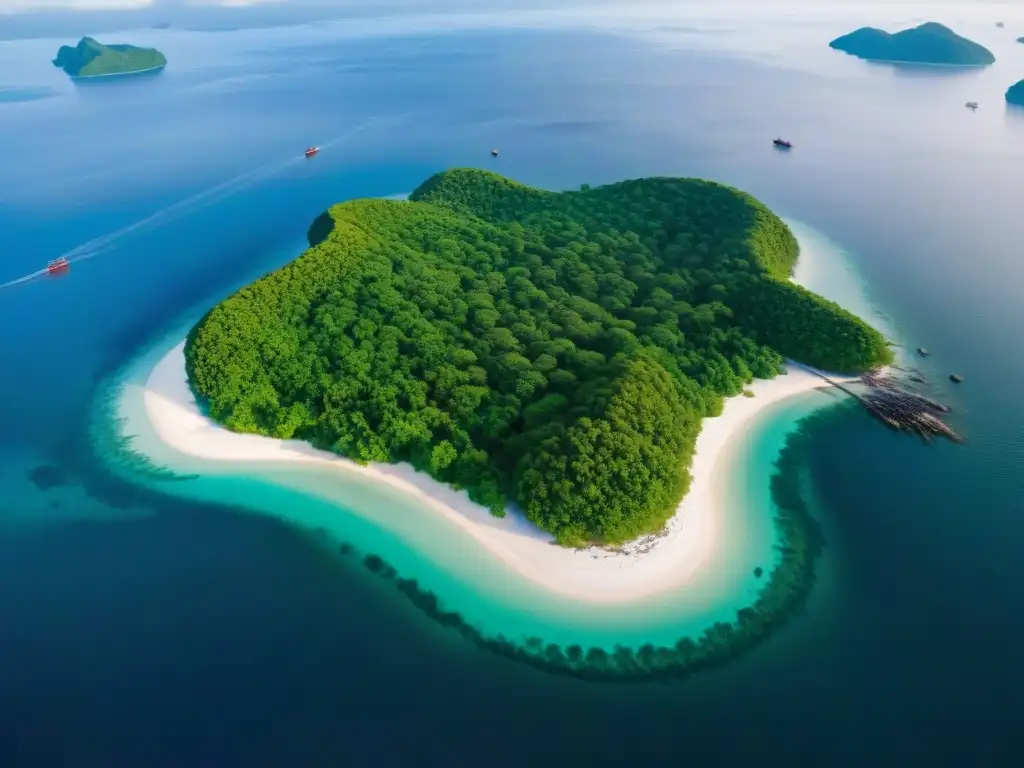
(91, 58)
(556, 350)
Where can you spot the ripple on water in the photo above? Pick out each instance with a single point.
(14, 94)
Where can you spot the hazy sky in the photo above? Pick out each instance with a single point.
(26, 17)
(342, 6)
(30, 6)
(63, 18)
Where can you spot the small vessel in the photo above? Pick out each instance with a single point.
(956, 379)
(494, 153)
(57, 265)
(310, 151)
(782, 144)
(1000, 24)
(971, 105)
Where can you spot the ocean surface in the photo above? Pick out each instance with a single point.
(145, 624)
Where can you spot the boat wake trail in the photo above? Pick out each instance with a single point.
(104, 243)
(24, 279)
(99, 245)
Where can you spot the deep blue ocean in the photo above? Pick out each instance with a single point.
(139, 630)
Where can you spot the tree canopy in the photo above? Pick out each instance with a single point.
(555, 350)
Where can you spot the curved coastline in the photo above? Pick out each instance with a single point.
(722, 615)
(643, 568)
(752, 573)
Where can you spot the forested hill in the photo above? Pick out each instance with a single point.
(928, 43)
(91, 58)
(553, 349)
(1015, 94)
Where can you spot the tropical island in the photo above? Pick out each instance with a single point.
(94, 59)
(929, 43)
(552, 351)
(1015, 94)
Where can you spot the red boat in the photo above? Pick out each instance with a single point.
(57, 265)
(310, 151)
(782, 143)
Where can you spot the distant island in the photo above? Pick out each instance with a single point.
(93, 59)
(555, 350)
(1015, 94)
(929, 43)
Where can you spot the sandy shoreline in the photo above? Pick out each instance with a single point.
(592, 575)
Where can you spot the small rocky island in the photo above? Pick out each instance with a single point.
(91, 58)
(929, 43)
(1015, 94)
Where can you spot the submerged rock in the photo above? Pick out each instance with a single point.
(46, 476)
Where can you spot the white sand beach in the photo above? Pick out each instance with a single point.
(643, 568)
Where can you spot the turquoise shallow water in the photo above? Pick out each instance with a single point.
(467, 579)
